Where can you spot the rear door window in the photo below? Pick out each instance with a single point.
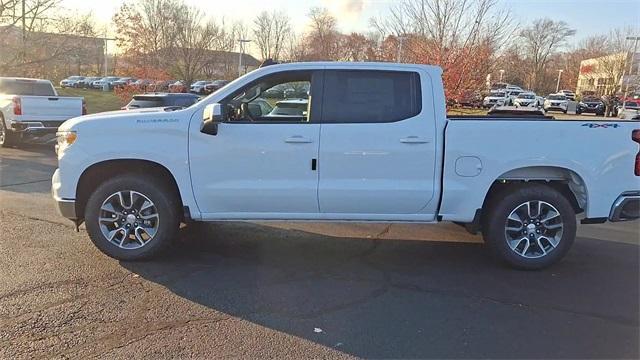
(364, 96)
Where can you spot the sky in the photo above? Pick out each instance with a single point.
(588, 17)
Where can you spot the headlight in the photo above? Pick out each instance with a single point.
(65, 139)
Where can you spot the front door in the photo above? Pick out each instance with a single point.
(262, 162)
(378, 145)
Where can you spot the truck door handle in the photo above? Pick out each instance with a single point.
(413, 140)
(297, 139)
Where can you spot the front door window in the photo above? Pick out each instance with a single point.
(276, 98)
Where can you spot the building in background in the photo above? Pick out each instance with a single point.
(609, 74)
(48, 55)
(224, 64)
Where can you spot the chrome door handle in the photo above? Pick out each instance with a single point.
(413, 140)
(297, 139)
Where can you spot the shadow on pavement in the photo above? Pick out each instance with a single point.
(27, 169)
(401, 298)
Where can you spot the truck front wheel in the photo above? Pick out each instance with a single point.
(529, 226)
(132, 217)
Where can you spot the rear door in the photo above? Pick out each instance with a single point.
(377, 144)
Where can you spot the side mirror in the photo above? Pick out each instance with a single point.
(211, 116)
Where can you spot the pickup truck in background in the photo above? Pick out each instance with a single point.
(31, 110)
(373, 144)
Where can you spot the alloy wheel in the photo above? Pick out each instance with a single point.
(533, 229)
(128, 219)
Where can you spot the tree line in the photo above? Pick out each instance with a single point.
(472, 40)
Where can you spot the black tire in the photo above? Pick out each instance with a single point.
(10, 138)
(166, 202)
(500, 207)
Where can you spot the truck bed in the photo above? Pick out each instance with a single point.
(598, 155)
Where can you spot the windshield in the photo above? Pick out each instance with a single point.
(630, 104)
(526, 96)
(499, 94)
(76, 77)
(557, 97)
(25, 87)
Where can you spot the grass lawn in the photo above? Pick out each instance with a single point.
(97, 100)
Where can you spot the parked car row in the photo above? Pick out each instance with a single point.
(511, 95)
(207, 86)
(201, 87)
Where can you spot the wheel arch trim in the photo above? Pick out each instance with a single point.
(92, 175)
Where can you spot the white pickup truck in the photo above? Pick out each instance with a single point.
(31, 110)
(373, 144)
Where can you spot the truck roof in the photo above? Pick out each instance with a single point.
(18, 79)
(349, 65)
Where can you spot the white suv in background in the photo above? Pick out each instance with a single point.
(569, 94)
(556, 102)
(496, 98)
(527, 99)
(71, 81)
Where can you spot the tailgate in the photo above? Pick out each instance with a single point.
(50, 107)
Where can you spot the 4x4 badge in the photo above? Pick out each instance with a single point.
(606, 126)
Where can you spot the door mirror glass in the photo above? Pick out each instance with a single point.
(211, 116)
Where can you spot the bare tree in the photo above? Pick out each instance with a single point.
(358, 47)
(145, 28)
(323, 39)
(295, 49)
(194, 40)
(541, 40)
(8, 9)
(270, 32)
(462, 36)
(45, 41)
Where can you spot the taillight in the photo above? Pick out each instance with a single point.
(84, 107)
(635, 135)
(17, 105)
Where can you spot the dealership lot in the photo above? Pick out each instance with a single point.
(301, 290)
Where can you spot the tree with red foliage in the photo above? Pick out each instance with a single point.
(461, 36)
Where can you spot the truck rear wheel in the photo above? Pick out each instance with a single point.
(132, 217)
(529, 226)
(7, 137)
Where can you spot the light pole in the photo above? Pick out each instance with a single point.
(106, 40)
(241, 53)
(633, 54)
(558, 83)
(401, 39)
(501, 74)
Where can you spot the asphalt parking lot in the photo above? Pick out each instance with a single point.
(302, 290)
